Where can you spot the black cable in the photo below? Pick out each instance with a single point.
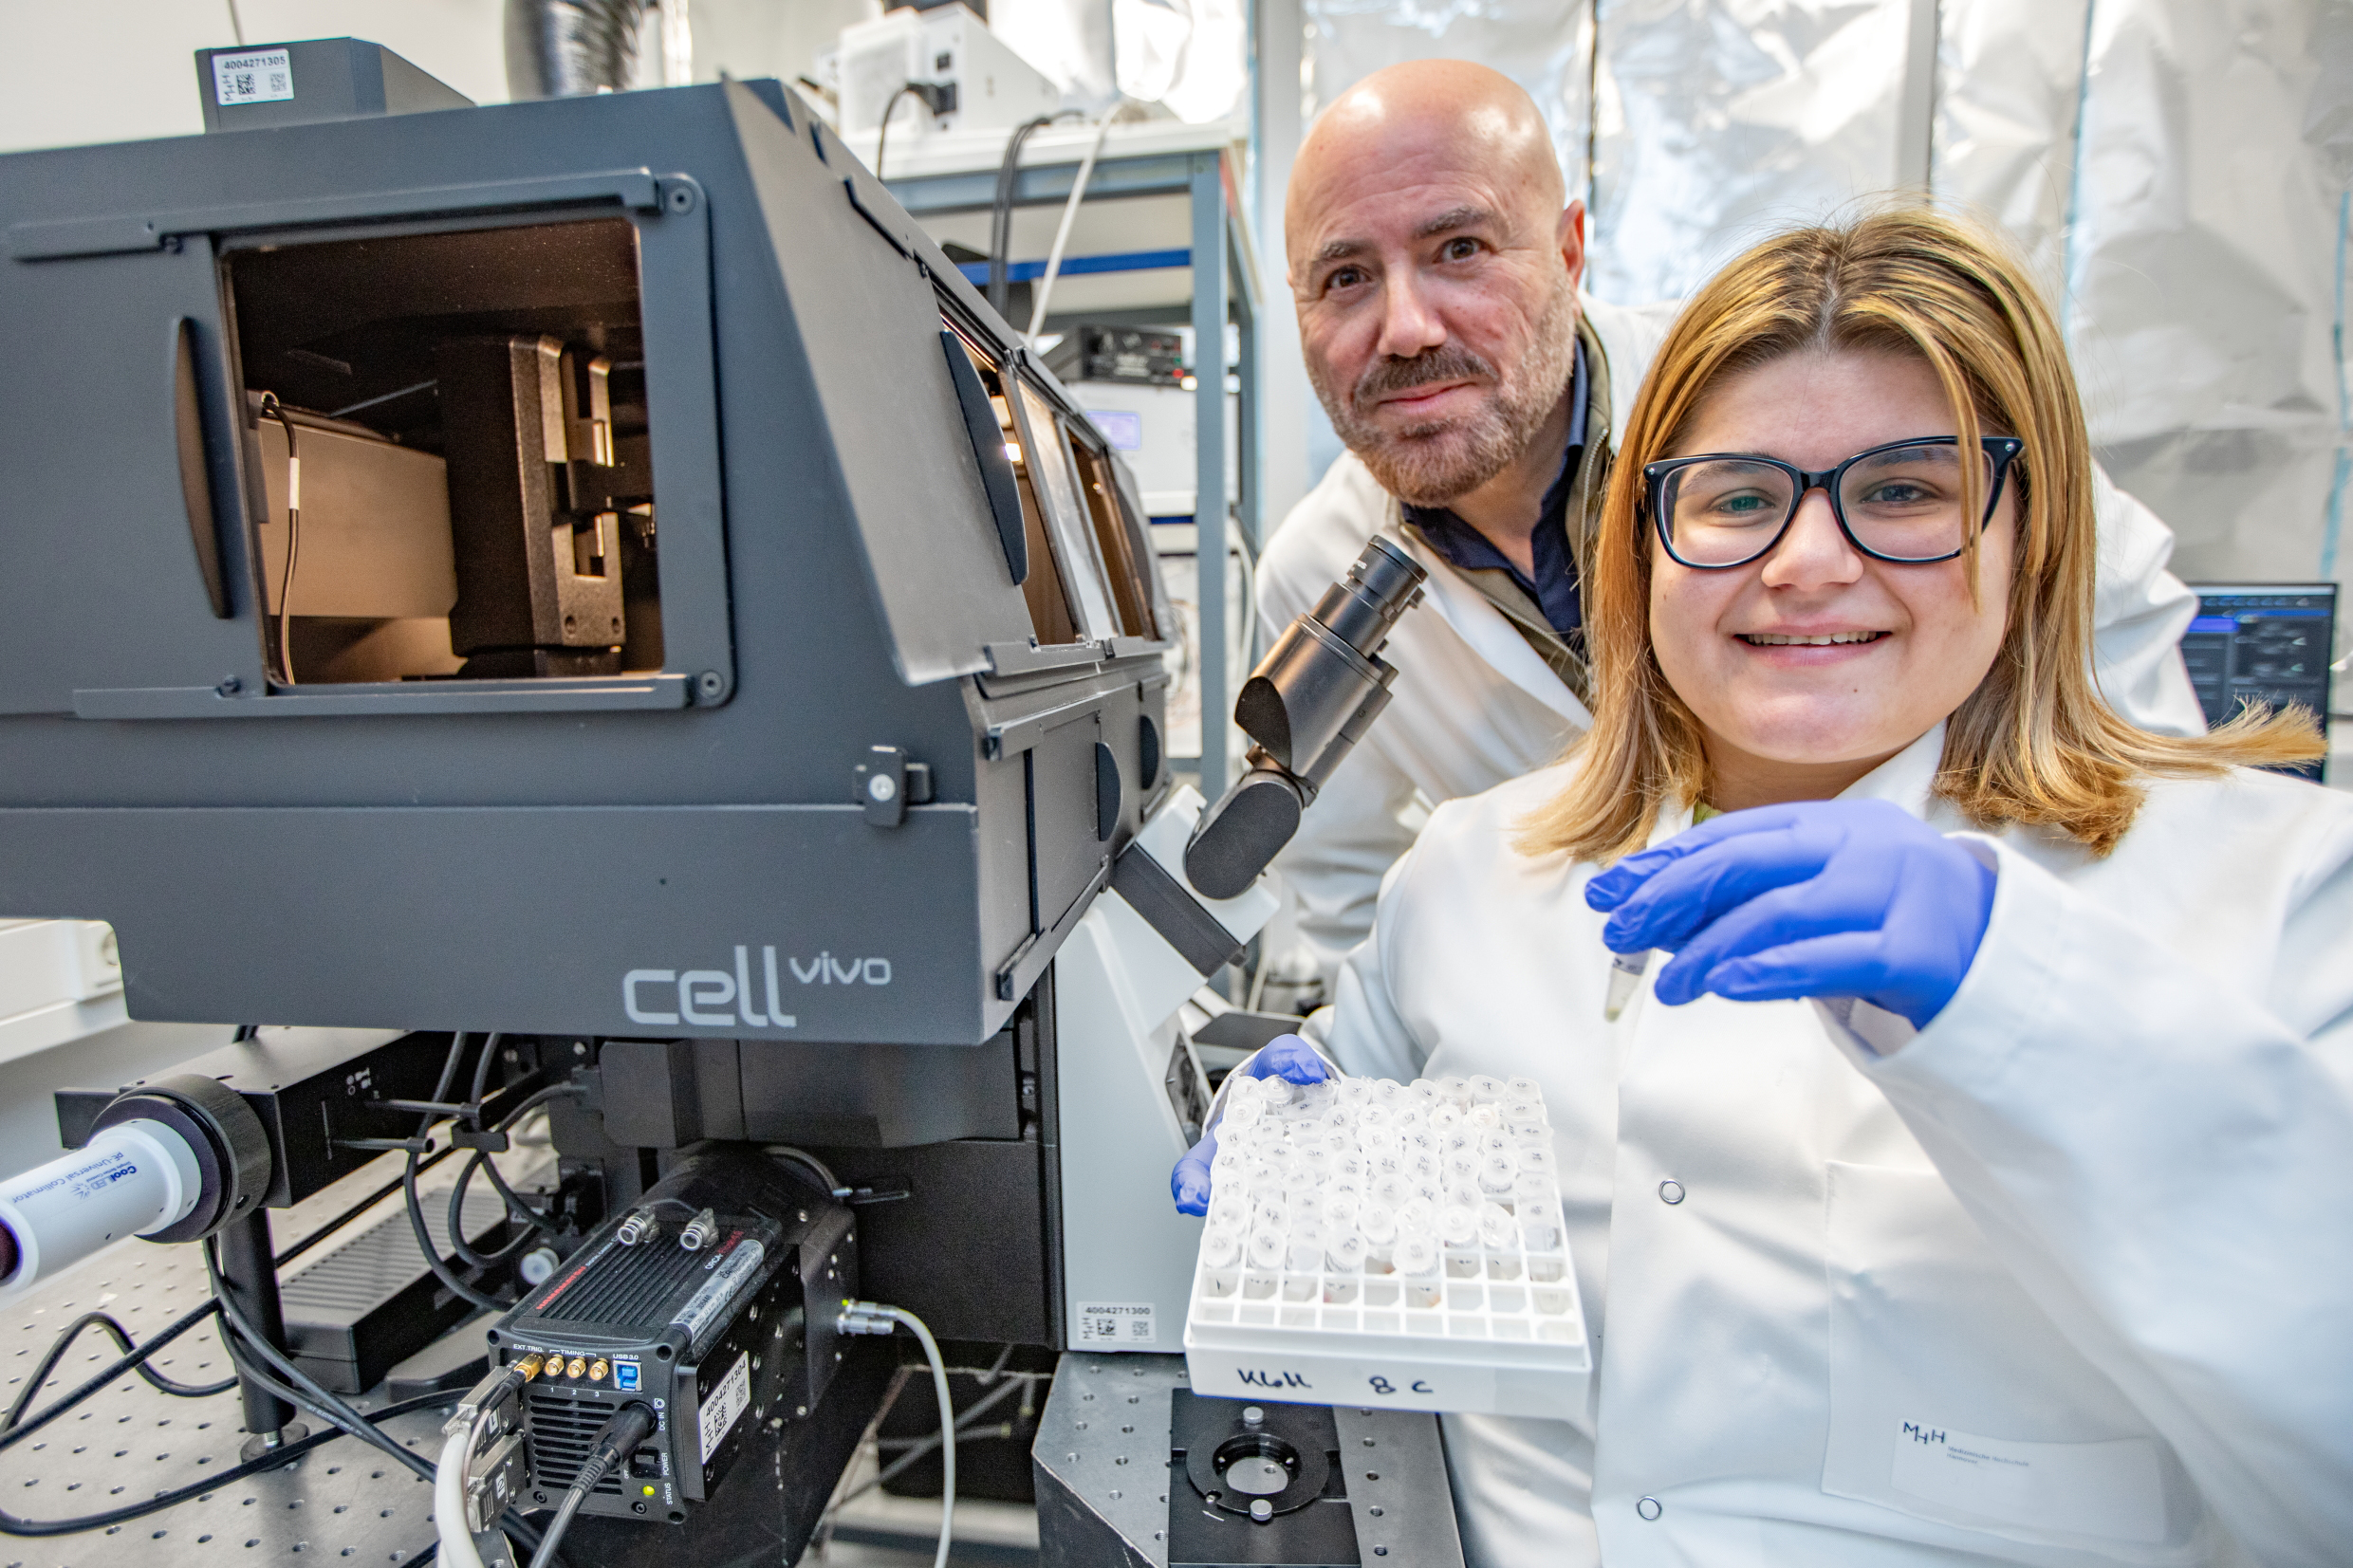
(516, 1207)
(293, 537)
(615, 1442)
(299, 1390)
(538, 1097)
(482, 1073)
(481, 1161)
(11, 1525)
(882, 137)
(441, 1270)
(116, 1332)
(524, 1237)
(14, 1430)
(434, 1260)
(325, 1406)
(1001, 209)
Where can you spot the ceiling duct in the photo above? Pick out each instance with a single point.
(569, 49)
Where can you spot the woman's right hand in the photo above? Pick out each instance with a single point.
(1285, 1057)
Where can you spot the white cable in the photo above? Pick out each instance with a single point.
(1069, 211)
(876, 1317)
(449, 1502)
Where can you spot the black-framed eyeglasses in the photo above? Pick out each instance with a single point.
(1900, 502)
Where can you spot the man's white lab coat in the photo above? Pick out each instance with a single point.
(2064, 1279)
(1474, 705)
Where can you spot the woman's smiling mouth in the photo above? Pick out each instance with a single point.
(1819, 639)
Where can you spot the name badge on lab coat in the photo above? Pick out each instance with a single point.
(2111, 1489)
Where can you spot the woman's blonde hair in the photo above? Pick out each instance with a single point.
(2035, 743)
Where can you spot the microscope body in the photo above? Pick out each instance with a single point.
(595, 571)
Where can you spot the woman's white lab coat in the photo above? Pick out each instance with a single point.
(2066, 1279)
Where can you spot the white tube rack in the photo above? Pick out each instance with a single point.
(1337, 1267)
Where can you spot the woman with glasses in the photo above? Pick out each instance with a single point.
(1969, 1176)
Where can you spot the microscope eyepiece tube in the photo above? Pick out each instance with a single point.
(1307, 705)
(1380, 585)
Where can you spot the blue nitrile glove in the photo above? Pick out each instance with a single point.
(1285, 1057)
(1816, 898)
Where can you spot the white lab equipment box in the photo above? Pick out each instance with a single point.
(989, 86)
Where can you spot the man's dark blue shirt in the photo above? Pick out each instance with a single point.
(1554, 586)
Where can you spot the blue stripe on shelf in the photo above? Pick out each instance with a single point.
(976, 273)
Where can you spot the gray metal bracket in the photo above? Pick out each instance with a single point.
(1398, 1491)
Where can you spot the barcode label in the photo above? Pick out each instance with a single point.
(265, 76)
(1116, 1324)
(723, 1405)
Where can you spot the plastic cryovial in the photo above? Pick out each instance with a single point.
(1537, 1159)
(1339, 1212)
(1417, 1214)
(1221, 1246)
(1534, 1193)
(1458, 1240)
(1266, 1249)
(1496, 1229)
(1497, 1172)
(1540, 1231)
(1484, 1090)
(1417, 1260)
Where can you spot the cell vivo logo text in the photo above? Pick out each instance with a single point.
(716, 998)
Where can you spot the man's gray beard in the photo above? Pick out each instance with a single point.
(1431, 464)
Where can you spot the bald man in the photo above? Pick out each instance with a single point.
(1434, 263)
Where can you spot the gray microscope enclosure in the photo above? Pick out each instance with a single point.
(463, 852)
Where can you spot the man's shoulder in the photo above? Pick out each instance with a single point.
(1630, 336)
(1327, 530)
